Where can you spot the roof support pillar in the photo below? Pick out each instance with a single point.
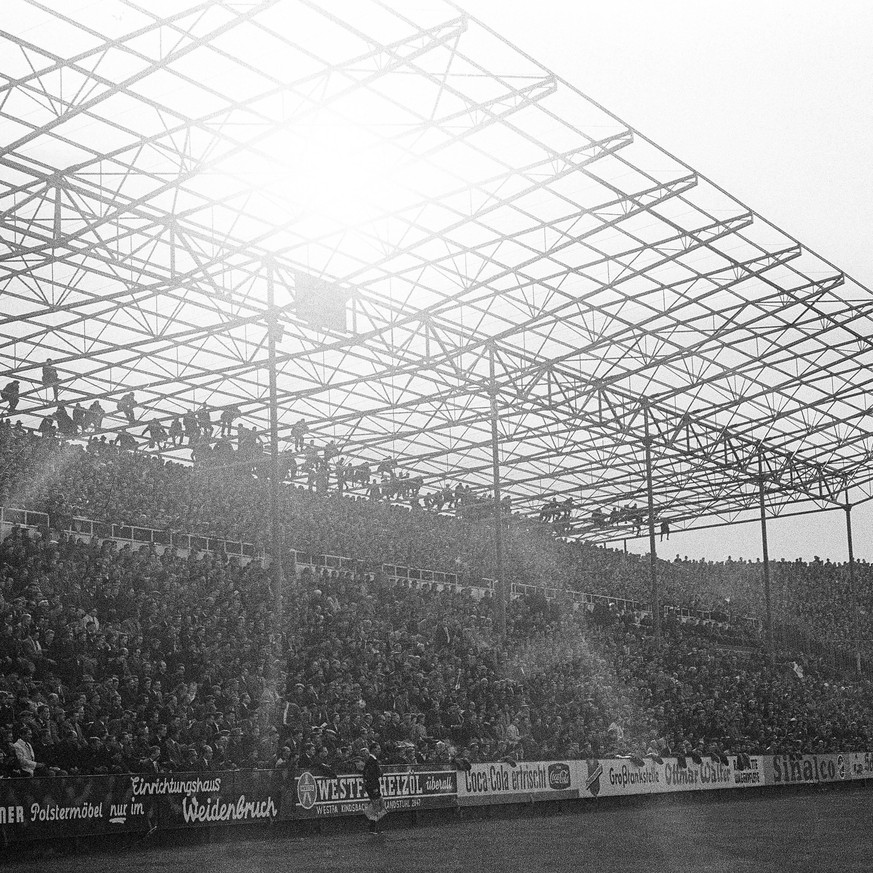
(853, 591)
(276, 562)
(771, 649)
(499, 582)
(653, 555)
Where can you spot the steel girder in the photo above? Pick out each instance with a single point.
(152, 169)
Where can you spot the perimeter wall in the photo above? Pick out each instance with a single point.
(50, 808)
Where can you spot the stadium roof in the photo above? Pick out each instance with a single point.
(161, 166)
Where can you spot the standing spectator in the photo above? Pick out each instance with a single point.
(330, 452)
(228, 416)
(126, 405)
(310, 457)
(176, 431)
(371, 773)
(10, 393)
(94, 418)
(204, 420)
(637, 517)
(50, 377)
(79, 415)
(298, 431)
(192, 429)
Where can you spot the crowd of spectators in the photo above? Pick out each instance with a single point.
(116, 660)
(120, 660)
(812, 601)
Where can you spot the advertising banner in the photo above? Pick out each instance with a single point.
(420, 787)
(751, 776)
(46, 808)
(49, 808)
(67, 807)
(861, 765)
(809, 769)
(520, 783)
(204, 799)
(615, 777)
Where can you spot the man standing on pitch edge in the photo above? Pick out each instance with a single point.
(371, 773)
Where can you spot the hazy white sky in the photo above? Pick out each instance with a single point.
(772, 100)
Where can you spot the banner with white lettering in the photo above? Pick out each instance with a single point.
(204, 799)
(520, 782)
(76, 806)
(421, 787)
(614, 777)
(67, 807)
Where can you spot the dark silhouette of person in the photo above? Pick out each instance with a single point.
(126, 405)
(50, 377)
(10, 394)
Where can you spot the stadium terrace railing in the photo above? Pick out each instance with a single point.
(414, 577)
(133, 535)
(323, 562)
(23, 517)
(394, 573)
(624, 605)
(417, 577)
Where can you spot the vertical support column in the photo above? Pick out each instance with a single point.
(57, 228)
(771, 648)
(853, 592)
(653, 555)
(500, 585)
(275, 526)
